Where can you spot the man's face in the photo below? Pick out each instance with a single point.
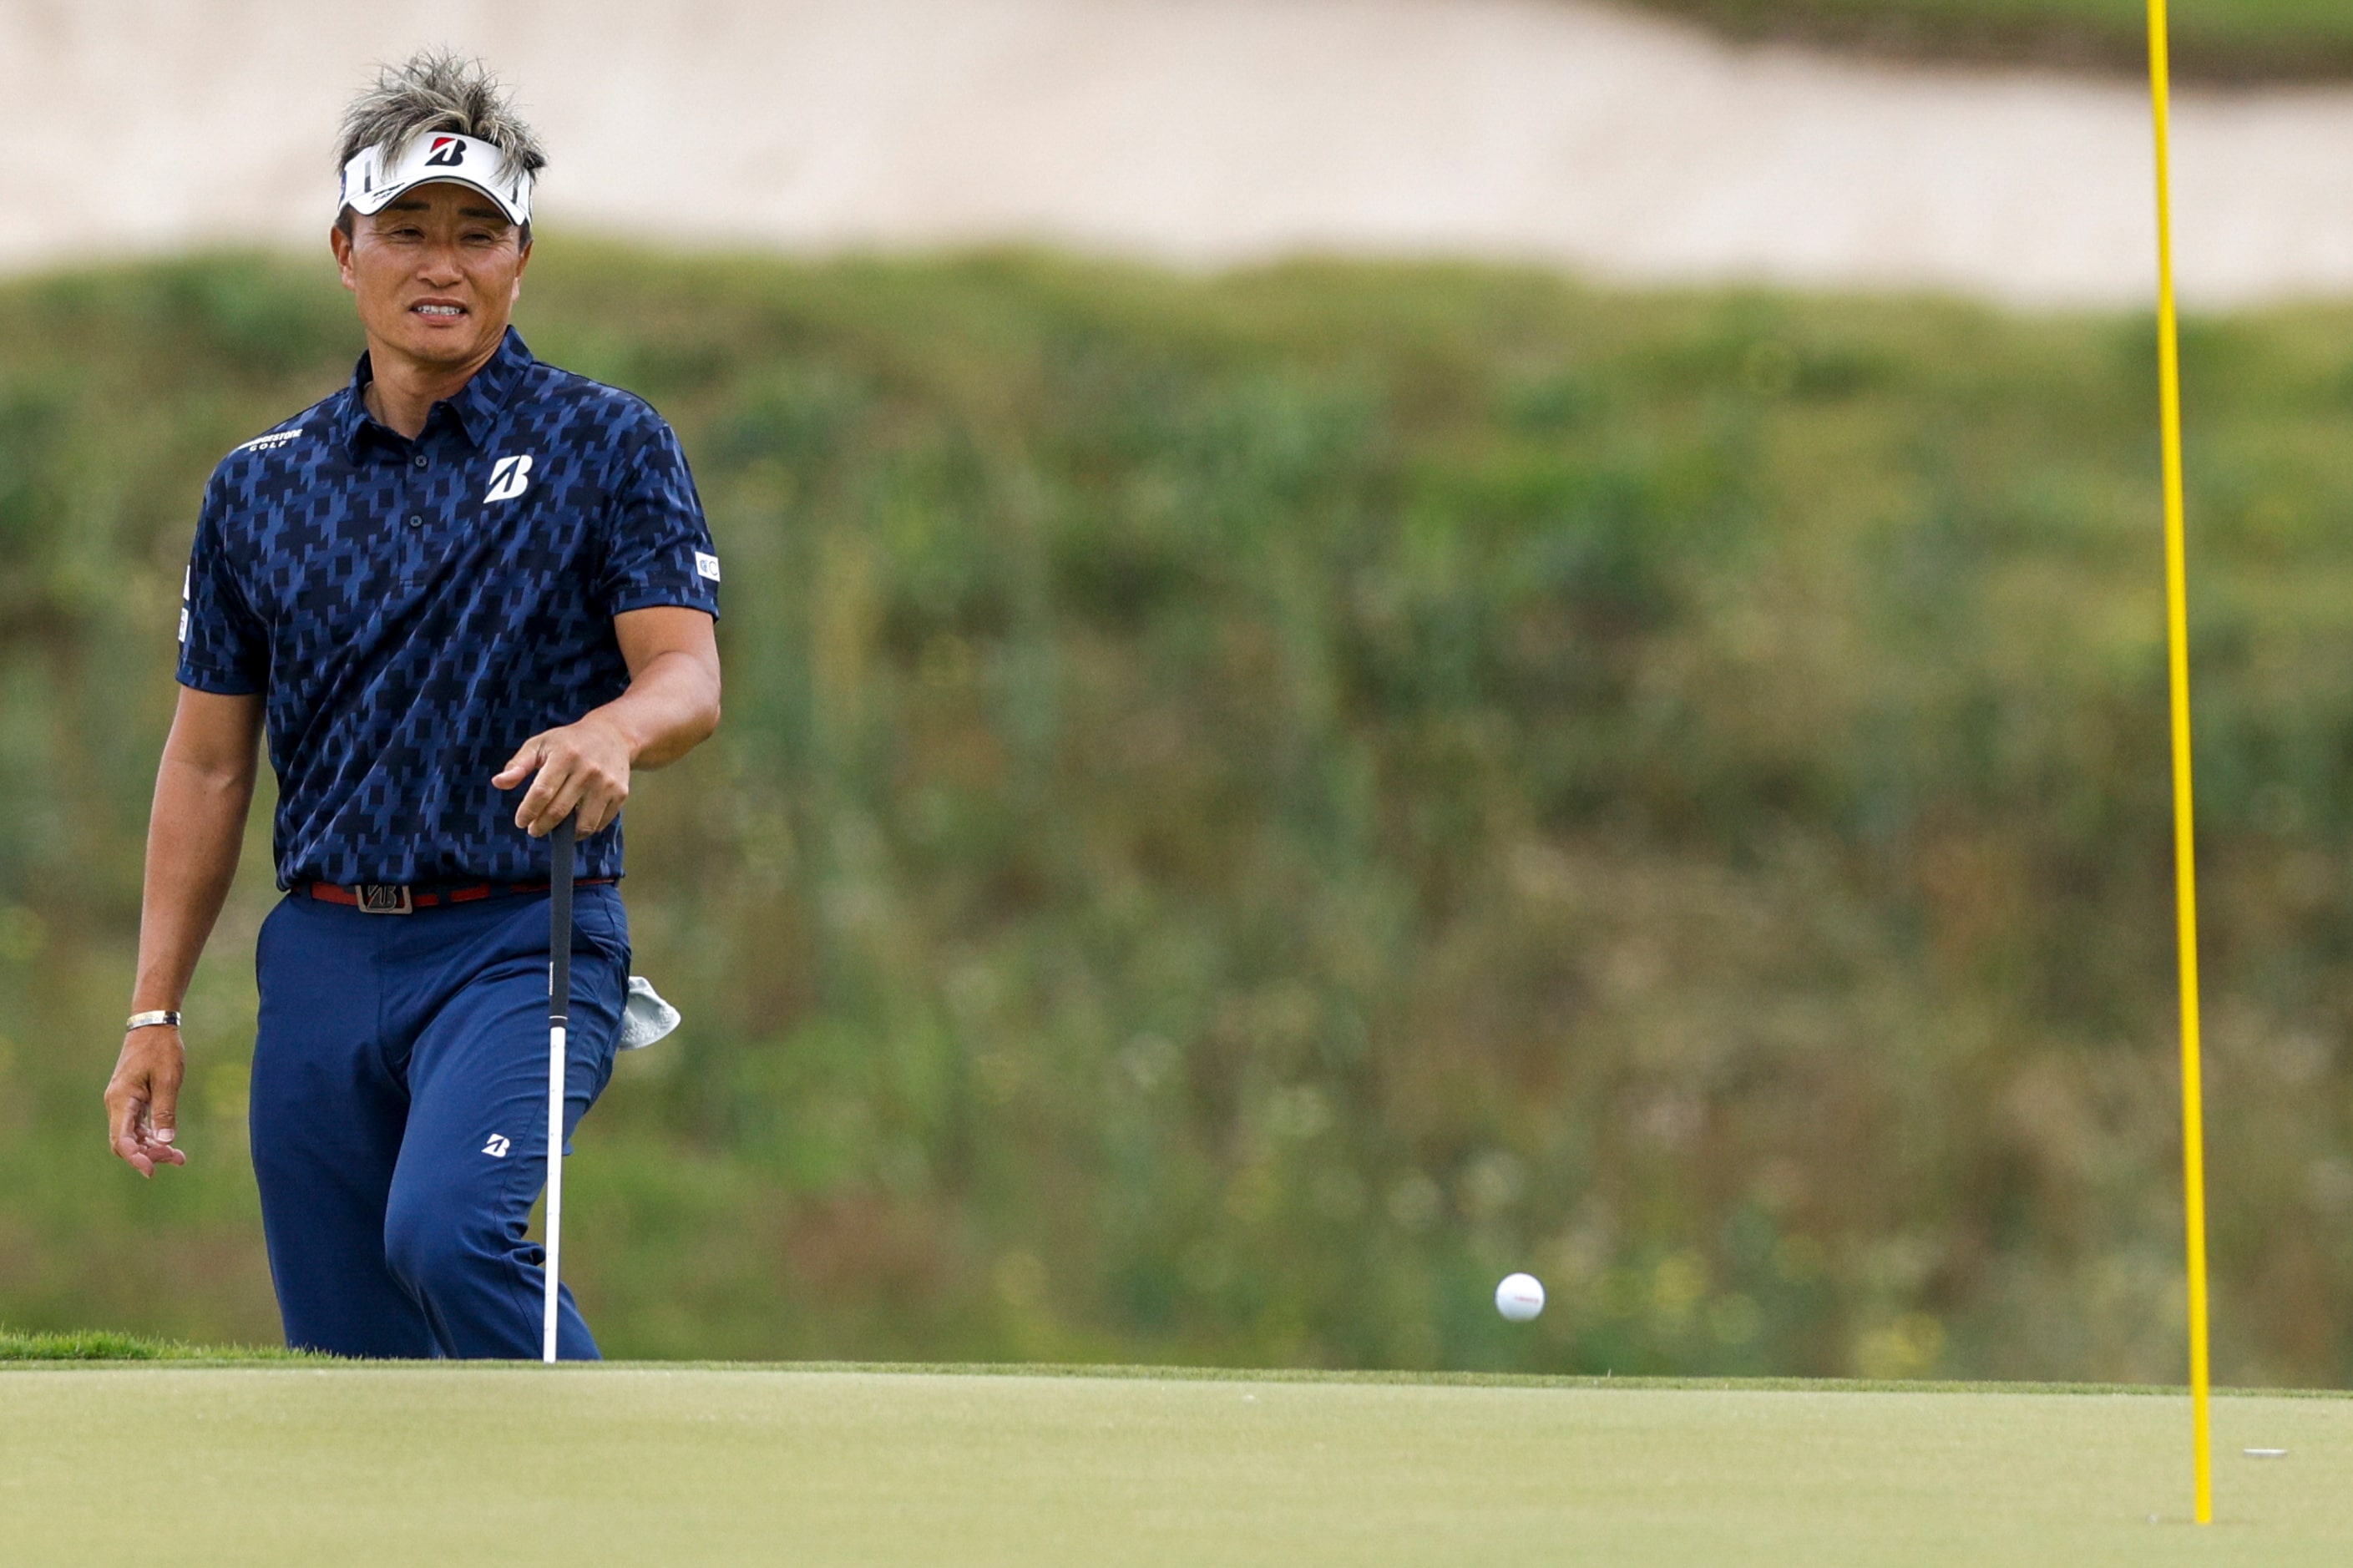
(436, 274)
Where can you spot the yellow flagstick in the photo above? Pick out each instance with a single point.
(2177, 625)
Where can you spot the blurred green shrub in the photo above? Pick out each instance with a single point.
(1250, 808)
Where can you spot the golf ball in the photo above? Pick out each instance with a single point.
(1520, 1297)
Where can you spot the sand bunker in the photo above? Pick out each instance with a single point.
(1200, 132)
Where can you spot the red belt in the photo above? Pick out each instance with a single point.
(395, 898)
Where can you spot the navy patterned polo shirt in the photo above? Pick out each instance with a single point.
(414, 611)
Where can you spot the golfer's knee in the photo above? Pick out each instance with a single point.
(429, 1246)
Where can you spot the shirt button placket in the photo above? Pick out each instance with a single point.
(412, 553)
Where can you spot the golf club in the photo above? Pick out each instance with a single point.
(559, 1006)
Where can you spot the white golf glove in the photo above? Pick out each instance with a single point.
(646, 1018)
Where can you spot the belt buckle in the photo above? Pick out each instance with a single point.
(386, 899)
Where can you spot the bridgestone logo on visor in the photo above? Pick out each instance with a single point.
(375, 177)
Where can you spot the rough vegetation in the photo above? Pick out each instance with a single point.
(106, 1344)
(1249, 807)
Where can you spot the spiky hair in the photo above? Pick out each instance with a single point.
(437, 89)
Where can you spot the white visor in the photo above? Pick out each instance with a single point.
(372, 181)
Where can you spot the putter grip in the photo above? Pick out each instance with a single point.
(559, 937)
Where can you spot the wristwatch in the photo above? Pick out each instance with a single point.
(167, 1018)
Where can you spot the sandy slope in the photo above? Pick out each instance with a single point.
(1201, 131)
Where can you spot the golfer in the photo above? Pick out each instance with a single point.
(465, 595)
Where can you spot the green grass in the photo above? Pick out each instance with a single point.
(99, 1344)
(363, 1465)
(40, 1351)
(2239, 41)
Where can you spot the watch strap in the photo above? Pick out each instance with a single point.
(162, 1017)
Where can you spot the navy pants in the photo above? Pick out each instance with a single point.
(399, 1117)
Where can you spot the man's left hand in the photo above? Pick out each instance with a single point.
(583, 766)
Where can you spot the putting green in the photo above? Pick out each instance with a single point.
(355, 1466)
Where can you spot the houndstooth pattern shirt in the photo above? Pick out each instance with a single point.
(413, 611)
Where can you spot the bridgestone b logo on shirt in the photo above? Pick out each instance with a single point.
(509, 479)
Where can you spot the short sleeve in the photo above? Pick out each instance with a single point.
(659, 551)
(224, 646)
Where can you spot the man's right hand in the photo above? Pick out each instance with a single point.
(201, 790)
(142, 1098)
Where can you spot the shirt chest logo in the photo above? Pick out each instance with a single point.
(509, 479)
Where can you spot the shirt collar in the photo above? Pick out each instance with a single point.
(476, 406)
